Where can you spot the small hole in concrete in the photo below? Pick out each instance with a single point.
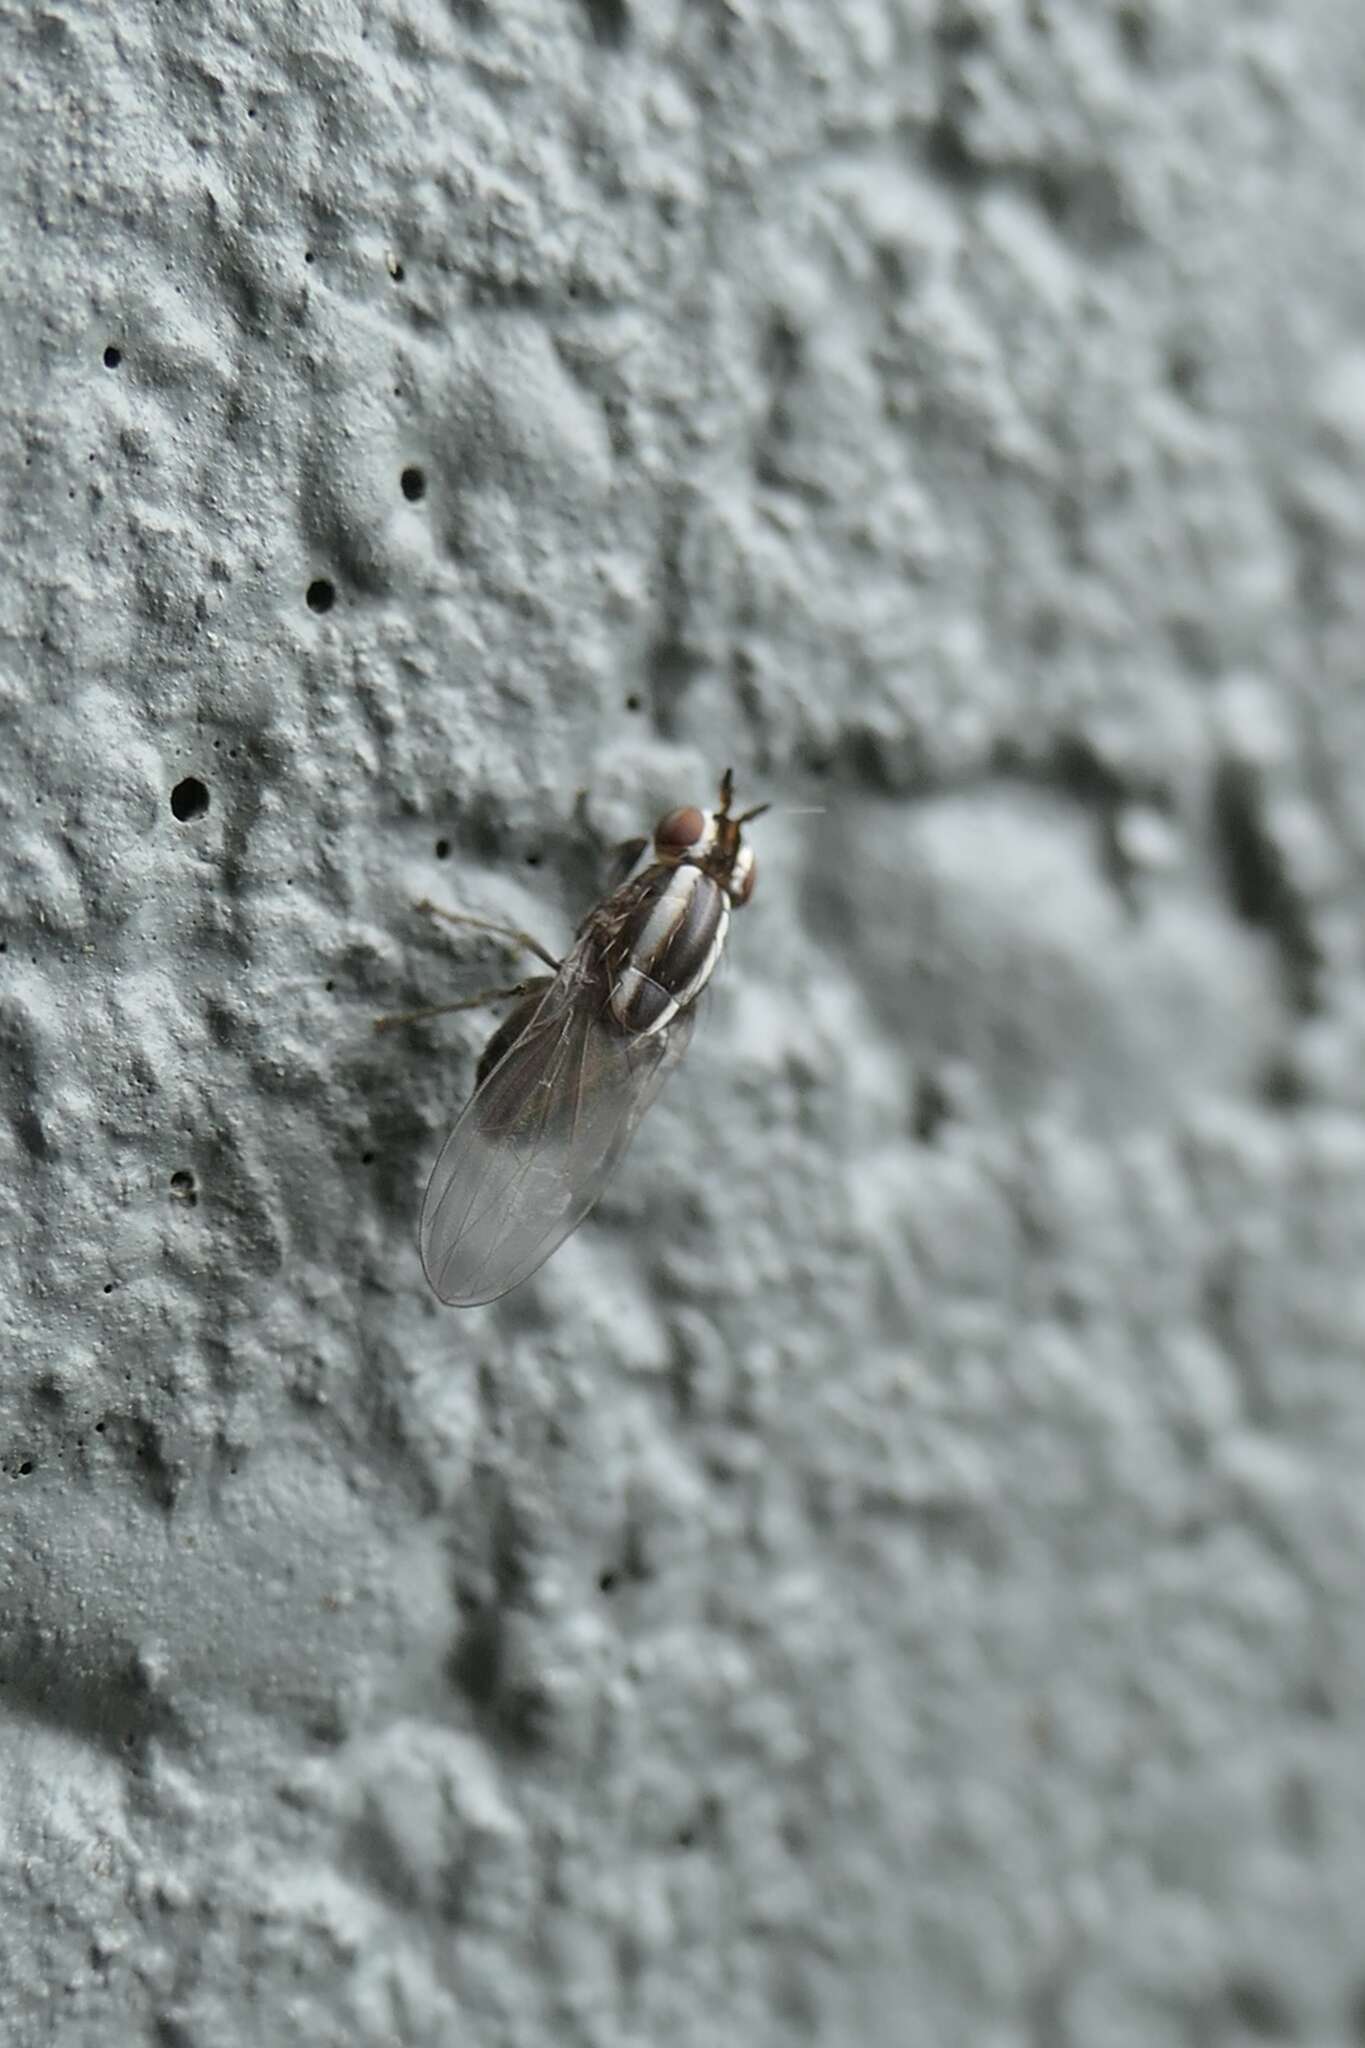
(189, 799)
(183, 1188)
(321, 594)
(414, 484)
(112, 357)
(443, 849)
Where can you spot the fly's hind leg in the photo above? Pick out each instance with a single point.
(523, 940)
(536, 983)
(486, 924)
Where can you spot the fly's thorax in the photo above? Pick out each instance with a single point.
(668, 947)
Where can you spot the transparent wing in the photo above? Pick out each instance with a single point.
(537, 1142)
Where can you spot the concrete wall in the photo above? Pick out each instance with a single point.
(896, 1577)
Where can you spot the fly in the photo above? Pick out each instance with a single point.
(563, 1082)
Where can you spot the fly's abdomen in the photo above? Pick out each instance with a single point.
(670, 947)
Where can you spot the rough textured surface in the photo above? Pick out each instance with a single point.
(896, 1577)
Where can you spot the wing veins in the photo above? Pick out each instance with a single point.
(522, 1174)
(469, 1217)
(525, 1154)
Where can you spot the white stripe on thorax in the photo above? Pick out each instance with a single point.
(668, 912)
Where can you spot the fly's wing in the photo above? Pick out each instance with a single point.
(537, 1142)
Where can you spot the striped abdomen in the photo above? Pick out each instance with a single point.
(669, 948)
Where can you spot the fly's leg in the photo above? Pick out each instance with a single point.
(485, 995)
(620, 861)
(484, 924)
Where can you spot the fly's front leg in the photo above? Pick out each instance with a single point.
(485, 995)
(620, 861)
(485, 924)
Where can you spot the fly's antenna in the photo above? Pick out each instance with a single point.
(727, 797)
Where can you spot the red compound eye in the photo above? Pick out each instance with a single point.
(679, 829)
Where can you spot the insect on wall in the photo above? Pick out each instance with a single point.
(564, 1081)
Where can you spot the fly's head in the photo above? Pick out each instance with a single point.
(712, 841)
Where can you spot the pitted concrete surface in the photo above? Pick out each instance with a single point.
(897, 1576)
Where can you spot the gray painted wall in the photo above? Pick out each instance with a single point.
(896, 1577)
